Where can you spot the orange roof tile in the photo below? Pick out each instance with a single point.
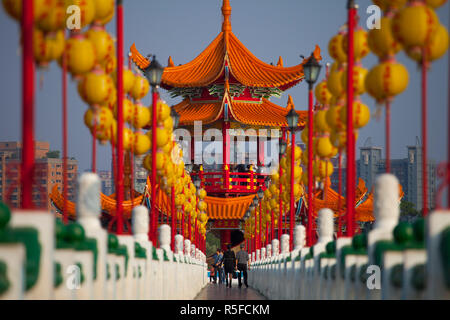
(264, 114)
(228, 208)
(209, 65)
(205, 112)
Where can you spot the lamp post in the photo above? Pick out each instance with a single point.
(260, 195)
(254, 206)
(283, 146)
(311, 70)
(154, 74)
(246, 216)
(292, 120)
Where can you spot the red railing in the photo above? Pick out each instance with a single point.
(238, 182)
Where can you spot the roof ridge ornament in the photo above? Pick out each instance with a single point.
(290, 103)
(226, 12)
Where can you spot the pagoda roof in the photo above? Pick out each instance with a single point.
(227, 50)
(265, 113)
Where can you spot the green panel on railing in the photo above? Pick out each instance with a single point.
(4, 281)
(122, 250)
(396, 277)
(82, 278)
(444, 248)
(57, 275)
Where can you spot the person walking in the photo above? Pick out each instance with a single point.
(216, 264)
(220, 267)
(229, 261)
(242, 262)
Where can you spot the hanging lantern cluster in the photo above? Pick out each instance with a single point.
(389, 78)
(426, 35)
(331, 118)
(171, 173)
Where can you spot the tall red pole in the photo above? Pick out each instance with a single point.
(339, 232)
(153, 217)
(174, 217)
(448, 139)
(120, 124)
(292, 216)
(280, 214)
(350, 134)
(27, 166)
(94, 143)
(424, 133)
(310, 166)
(272, 225)
(260, 226)
(388, 136)
(64, 129)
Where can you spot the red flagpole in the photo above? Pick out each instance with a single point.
(120, 124)
(424, 133)
(310, 166)
(350, 134)
(64, 128)
(27, 164)
(174, 217)
(388, 136)
(339, 233)
(291, 218)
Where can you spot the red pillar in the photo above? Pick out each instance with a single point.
(292, 215)
(350, 132)
(153, 214)
(226, 154)
(260, 226)
(272, 225)
(27, 165)
(280, 214)
(225, 239)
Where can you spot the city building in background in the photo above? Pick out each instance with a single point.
(107, 181)
(407, 170)
(48, 173)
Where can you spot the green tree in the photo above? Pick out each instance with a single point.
(53, 154)
(408, 209)
(212, 243)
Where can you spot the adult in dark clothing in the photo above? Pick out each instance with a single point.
(242, 262)
(217, 264)
(229, 262)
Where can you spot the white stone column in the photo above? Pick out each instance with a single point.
(88, 214)
(140, 227)
(13, 255)
(386, 211)
(167, 266)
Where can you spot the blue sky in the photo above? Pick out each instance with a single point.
(182, 29)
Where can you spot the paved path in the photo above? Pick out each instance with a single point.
(220, 292)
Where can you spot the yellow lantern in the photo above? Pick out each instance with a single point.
(382, 42)
(109, 64)
(202, 206)
(41, 49)
(168, 123)
(141, 116)
(128, 80)
(304, 135)
(142, 144)
(435, 49)
(323, 168)
(103, 9)
(386, 80)
(334, 82)
(162, 112)
(87, 9)
(320, 122)
(162, 137)
(80, 55)
(140, 88)
(333, 118)
(336, 50)
(414, 25)
(41, 8)
(324, 148)
(361, 45)
(102, 41)
(201, 194)
(323, 95)
(102, 119)
(361, 115)
(128, 109)
(96, 87)
(359, 77)
(387, 5)
(435, 3)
